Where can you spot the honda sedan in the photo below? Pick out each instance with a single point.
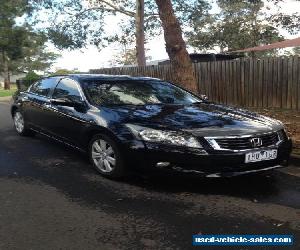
(123, 121)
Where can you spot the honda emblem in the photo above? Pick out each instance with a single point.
(256, 142)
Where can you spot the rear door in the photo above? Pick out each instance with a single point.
(38, 104)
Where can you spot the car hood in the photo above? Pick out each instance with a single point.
(203, 119)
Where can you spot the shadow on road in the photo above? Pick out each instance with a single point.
(69, 171)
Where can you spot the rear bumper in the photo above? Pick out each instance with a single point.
(213, 164)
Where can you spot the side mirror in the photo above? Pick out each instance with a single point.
(77, 105)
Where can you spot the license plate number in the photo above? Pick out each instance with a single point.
(263, 155)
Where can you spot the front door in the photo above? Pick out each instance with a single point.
(67, 123)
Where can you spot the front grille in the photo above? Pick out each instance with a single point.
(243, 143)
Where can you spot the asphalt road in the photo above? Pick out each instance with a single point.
(51, 198)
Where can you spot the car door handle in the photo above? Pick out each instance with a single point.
(25, 98)
(47, 105)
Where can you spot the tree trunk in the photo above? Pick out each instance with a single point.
(181, 63)
(140, 33)
(5, 71)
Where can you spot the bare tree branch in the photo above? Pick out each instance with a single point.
(112, 6)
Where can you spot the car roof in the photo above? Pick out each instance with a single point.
(84, 77)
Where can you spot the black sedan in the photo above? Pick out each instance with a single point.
(123, 121)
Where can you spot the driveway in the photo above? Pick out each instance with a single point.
(50, 198)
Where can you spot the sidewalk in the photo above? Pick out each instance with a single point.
(5, 99)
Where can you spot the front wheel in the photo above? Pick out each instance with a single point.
(106, 156)
(20, 124)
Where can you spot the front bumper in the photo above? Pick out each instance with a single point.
(214, 164)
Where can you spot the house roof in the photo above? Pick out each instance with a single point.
(277, 45)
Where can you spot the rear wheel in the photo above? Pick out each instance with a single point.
(20, 124)
(106, 156)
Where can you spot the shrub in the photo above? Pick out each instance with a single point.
(25, 82)
(31, 76)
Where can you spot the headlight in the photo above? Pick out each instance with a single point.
(283, 133)
(285, 130)
(162, 136)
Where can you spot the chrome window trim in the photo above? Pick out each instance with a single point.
(49, 95)
(212, 142)
(82, 96)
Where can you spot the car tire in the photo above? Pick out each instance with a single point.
(106, 156)
(20, 124)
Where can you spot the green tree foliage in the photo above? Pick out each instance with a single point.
(238, 24)
(292, 52)
(35, 56)
(32, 76)
(21, 49)
(125, 56)
(289, 22)
(64, 72)
(11, 37)
(75, 24)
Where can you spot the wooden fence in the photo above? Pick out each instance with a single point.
(268, 82)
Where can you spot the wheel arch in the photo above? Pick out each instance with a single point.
(13, 109)
(99, 130)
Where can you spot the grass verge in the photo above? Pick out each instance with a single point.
(4, 93)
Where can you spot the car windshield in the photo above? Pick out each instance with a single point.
(117, 92)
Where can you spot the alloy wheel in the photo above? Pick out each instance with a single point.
(103, 156)
(19, 122)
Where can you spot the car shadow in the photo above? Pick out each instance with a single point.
(69, 171)
(249, 185)
(262, 184)
(269, 187)
(253, 186)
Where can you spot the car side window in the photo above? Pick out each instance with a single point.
(43, 87)
(67, 89)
